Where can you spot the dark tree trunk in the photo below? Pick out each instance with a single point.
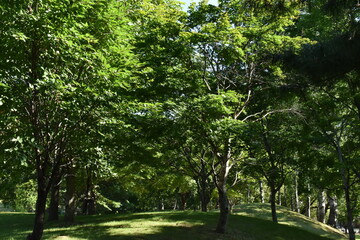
(321, 206)
(346, 186)
(349, 214)
(89, 203)
(54, 199)
(333, 210)
(224, 211)
(184, 197)
(273, 204)
(204, 191)
(40, 207)
(70, 198)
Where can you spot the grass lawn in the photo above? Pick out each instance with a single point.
(166, 226)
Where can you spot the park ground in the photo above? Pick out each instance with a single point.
(248, 222)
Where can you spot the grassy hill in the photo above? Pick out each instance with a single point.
(174, 225)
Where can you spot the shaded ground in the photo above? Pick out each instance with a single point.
(157, 226)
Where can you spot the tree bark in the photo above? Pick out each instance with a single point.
(223, 199)
(40, 206)
(54, 199)
(346, 186)
(333, 211)
(204, 191)
(261, 191)
(273, 204)
(321, 206)
(308, 205)
(89, 203)
(70, 198)
(224, 211)
(297, 204)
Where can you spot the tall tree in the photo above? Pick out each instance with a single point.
(56, 57)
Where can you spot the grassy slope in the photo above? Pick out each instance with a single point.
(163, 226)
(290, 218)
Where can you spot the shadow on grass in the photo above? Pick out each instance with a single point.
(156, 226)
(240, 228)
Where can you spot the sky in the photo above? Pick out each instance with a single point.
(187, 2)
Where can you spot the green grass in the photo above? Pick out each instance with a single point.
(287, 217)
(169, 226)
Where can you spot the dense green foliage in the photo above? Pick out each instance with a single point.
(124, 106)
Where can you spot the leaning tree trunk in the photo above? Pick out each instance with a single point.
(70, 198)
(321, 206)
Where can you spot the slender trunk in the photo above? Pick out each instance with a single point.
(333, 211)
(297, 204)
(308, 210)
(321, 206)
(273, 204)
(261, 191)
(70, 198)
(40, 206)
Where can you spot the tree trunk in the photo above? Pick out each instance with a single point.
(261, 191)
(220, 181)
(224, 210)
(321, 206)
(346, 186)
(184, 197)
(308, 205)
(40, 207)
(349, 214)
(273, 204)
(70, 198)
(54, 200)
(297, 204)
(89, 203)
(333, 211)
(204, 191)
(175, 204)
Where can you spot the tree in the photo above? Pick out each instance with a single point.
(56, 57)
